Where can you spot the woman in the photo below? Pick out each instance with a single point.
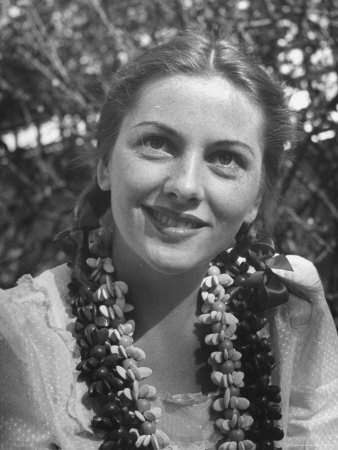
(189, 146)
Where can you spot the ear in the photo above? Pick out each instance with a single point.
(253, 211)
(102, 173)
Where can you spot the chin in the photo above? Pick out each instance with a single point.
(177, 264)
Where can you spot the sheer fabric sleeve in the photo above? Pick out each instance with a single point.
(25, 422)
(41, 403)
(306, 343)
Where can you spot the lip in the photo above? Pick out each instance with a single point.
(180, 224)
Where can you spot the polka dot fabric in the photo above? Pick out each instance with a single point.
(42, 405)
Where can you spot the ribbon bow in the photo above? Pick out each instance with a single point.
(271, 291)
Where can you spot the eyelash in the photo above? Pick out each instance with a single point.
(222, 154)
(236, 163)
(145, 141)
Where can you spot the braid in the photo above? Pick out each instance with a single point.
(245, 236)
(92, 204)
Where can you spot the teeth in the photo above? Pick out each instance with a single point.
(171, 222)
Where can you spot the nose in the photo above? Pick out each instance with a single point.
(185, 180)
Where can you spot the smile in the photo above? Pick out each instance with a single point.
(165, 218)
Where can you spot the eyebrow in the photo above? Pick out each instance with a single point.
(158, 125)
(169, 130)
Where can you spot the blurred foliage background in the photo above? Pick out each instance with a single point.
(57, 58)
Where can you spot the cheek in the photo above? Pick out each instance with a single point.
(231, 205)
(132, 176)
(133, 183)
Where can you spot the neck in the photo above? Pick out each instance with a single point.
(156, 296)
(167, 322)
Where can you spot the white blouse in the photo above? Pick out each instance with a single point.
(42, 406)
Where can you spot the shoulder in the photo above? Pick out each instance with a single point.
(54, 280)
(27, 286)
(302, 279)
(32, 307)
(307, 298)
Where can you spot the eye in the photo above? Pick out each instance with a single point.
(226, 162)
(154, 146)
(155, 142)
(223, 158)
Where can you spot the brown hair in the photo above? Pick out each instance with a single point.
(190, 53)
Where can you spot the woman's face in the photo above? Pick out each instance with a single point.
(185, 171)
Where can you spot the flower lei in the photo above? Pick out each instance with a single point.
(235, 294)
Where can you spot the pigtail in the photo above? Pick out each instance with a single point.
(92, 204)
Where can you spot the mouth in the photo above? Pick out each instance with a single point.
(166, 218)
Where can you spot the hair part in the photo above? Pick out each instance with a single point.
(189, 53)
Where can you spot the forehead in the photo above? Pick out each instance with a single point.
(215, 102)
